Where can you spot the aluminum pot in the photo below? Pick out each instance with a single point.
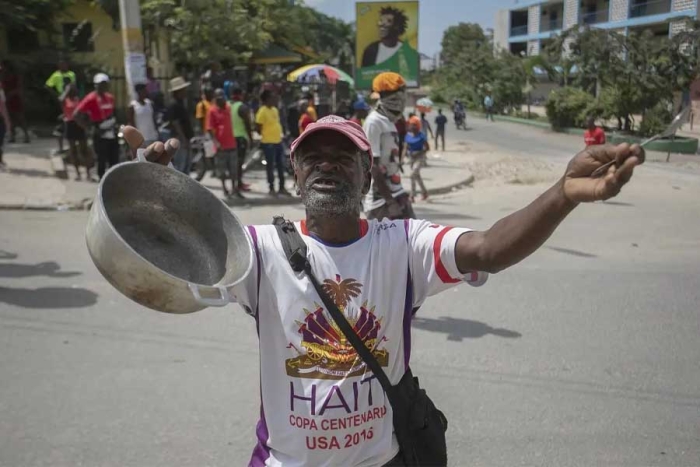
(164, 240)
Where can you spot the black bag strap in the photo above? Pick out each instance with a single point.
(295, 249)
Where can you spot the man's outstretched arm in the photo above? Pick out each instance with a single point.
(518, 235)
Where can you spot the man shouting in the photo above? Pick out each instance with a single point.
(320, 406)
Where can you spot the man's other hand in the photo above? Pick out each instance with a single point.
(157, 152)
(580, 187)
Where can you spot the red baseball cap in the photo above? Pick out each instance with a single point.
(349, 129)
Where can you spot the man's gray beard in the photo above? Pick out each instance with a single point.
(344, 201)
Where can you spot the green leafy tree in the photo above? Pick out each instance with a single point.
(468, 64)
(34, 15)
(231, 31)
(509, 80)
(630, 75)
(205, 30)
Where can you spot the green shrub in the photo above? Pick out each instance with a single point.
(656, 119)
(567, 107)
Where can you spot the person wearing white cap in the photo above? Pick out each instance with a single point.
(322, 403)
(97, 109)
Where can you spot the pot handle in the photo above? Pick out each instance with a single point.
(141, 157)
(223, 300)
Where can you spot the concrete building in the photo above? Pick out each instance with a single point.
(529, 24)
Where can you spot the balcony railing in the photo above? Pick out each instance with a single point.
(518, 31)
(652, 7)
(600, 16)
(551, 25)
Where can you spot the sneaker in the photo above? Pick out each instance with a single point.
(238, 194)
(244, 187)
(424, 197)
(284, 192)
(273, 193)
(3, 167)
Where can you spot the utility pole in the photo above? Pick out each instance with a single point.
(132, 40)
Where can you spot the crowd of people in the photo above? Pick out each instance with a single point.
(226, 123)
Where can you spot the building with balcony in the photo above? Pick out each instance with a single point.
(530, 24)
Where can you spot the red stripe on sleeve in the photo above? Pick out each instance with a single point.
(440, 268)
(364, 227)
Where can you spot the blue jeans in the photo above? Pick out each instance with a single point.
(182, 160)
(274, 156)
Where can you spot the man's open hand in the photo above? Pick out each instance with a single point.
(157, 152)
(579, 187)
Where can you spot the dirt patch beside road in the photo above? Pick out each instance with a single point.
(492, 166)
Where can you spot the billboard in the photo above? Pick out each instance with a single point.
(387, 40)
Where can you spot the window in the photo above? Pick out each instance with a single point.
(77, 37)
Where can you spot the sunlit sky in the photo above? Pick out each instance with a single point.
(435, 16)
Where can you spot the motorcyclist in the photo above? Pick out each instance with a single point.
(459, 113)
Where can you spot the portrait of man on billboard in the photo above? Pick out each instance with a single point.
(392, 25)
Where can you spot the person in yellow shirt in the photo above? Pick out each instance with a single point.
(202, 109)
(268, 125)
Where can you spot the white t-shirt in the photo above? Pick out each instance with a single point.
(320, 405)
(143, 118)
(385, 53)
(384, 140)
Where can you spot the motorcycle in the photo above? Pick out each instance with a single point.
(255, 159)
(461, 120)
(200, 162)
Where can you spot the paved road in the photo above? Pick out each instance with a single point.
(585, 354)
(533, 142)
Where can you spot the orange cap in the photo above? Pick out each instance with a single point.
(415, 121)
(387, 82)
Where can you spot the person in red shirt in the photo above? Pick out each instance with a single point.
(306, 118)
(97, 109)
(594, 135)
(74, 133)
(221, 129)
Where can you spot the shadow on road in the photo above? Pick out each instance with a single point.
(7, 255)
(49, 269)
(32, 173)
(435, 214)
(48, 297)
(458, 329)
(618, 203)
(568, 251)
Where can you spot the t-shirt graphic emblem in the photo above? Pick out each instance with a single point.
(325, 353)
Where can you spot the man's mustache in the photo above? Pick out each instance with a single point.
(336, 180)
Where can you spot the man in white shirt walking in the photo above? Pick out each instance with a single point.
(320, 405)
(141, 114)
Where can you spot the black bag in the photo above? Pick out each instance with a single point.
(419, 426)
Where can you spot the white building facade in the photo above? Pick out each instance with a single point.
(527, 27)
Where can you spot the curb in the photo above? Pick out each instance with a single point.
(677, 145)
(454, 186)
(522, 121)
(680, 145)
(86, 204)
